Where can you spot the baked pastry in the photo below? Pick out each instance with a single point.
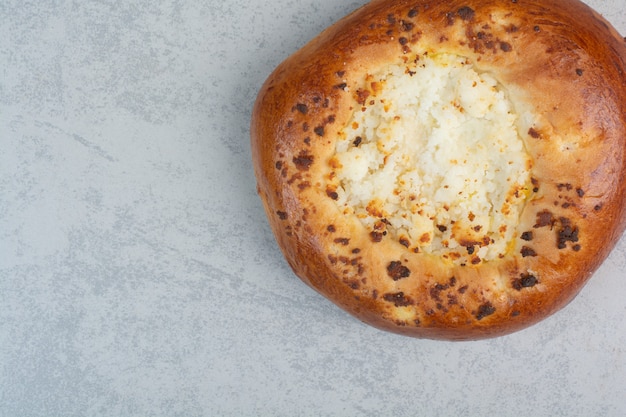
(448, 169)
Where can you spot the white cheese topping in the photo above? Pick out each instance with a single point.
(433, 159)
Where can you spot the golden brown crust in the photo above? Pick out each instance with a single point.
(557, 56)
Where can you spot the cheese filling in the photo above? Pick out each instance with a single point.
(432, 157)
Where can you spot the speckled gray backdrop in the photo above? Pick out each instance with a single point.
(138, 273)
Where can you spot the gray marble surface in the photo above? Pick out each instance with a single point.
(138, 275)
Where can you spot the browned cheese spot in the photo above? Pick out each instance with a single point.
(362, 96)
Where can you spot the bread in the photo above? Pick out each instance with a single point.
(448, 169)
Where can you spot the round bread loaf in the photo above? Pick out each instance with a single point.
(448, 169)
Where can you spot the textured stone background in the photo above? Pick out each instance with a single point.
(138, 275)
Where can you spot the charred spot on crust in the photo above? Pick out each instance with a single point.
(506, 47)
(567, 233)
(354, 284)
(579, 72)
(452, 300)
(342, 241)
(398, 299)
(466, 13)
(527, 236)
(282, 215)
(377, 236)
(403, 41)
(485, 310)
(450, 18)
(544, 218)
(526, 251)
(406, 26)
(319, 131)
(397, 271)
(535, 183)
(331, 228)
(357, 141)
(303, 161)
(580, 192)
(332, 193)
(302, 108)
(412, 13)
(533, 133)
(525, 281)
(435, 291)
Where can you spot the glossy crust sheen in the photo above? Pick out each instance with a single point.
(558, 57)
